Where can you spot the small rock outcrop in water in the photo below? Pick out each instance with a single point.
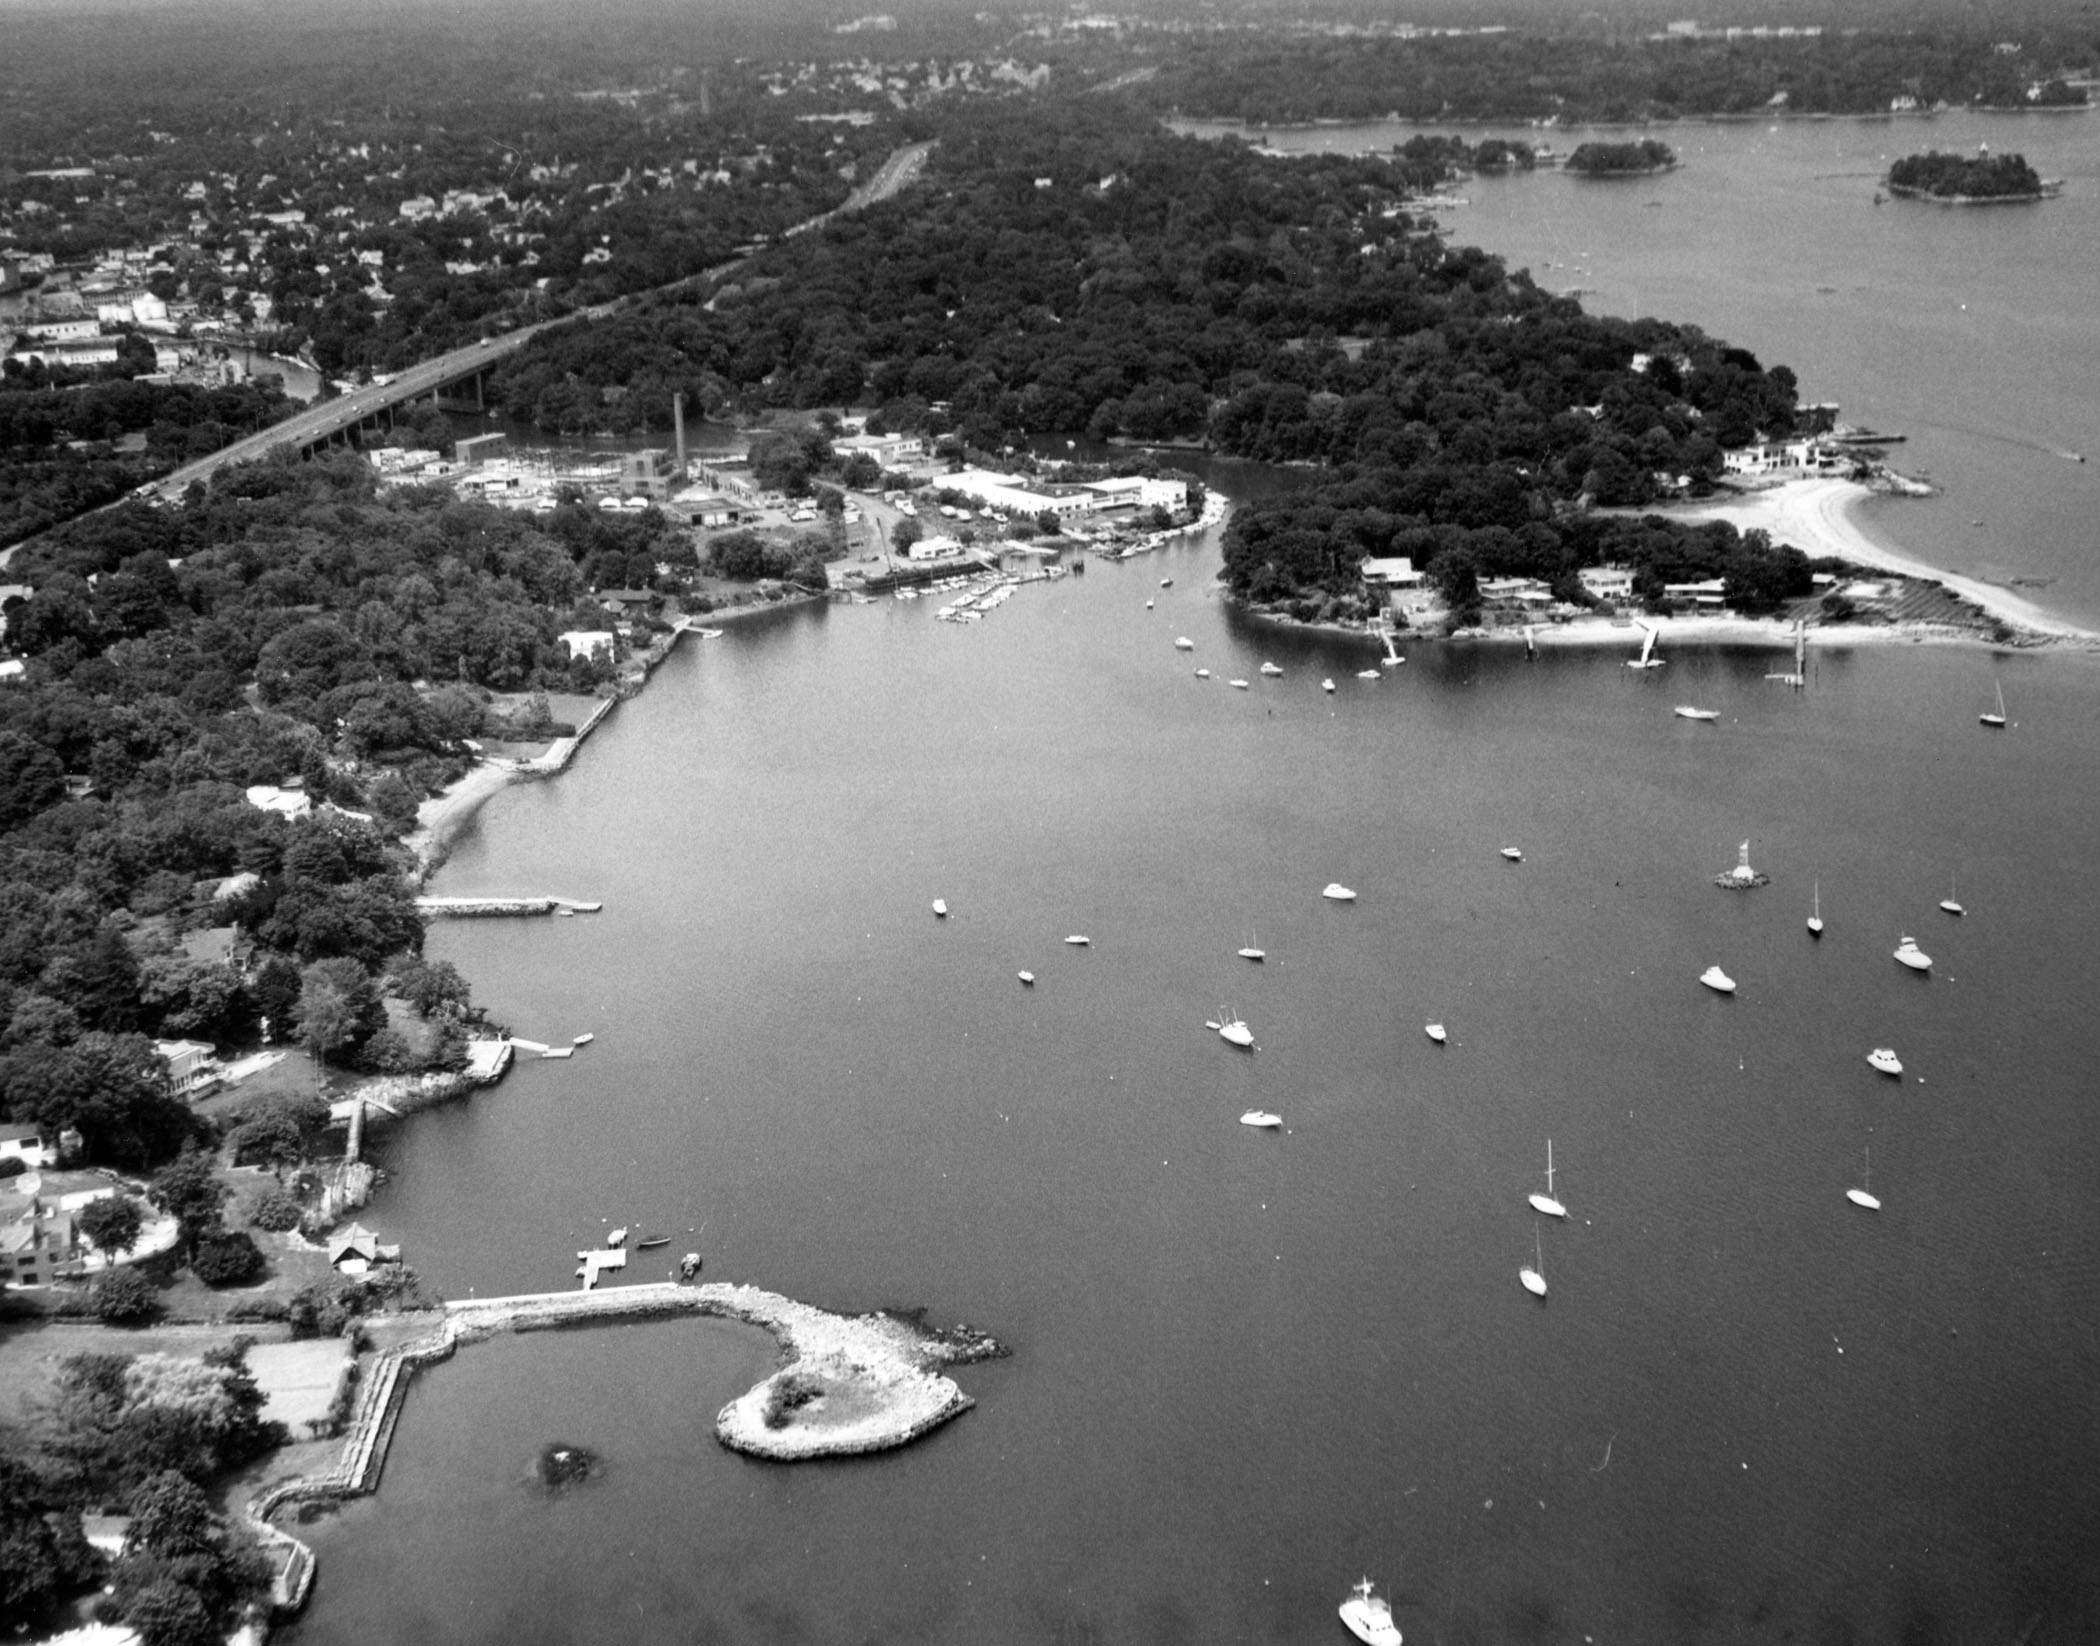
(562, 1466)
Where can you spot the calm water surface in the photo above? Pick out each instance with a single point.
(1250, 1366)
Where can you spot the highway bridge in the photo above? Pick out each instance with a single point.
(456, 381)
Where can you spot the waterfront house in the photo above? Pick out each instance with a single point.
(1608, 582)
(1519, 593)
(587, 642)
(354, 1251)
(1709, 594)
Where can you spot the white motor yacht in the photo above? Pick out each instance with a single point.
(1717, 980)
(1435, 1031)
(1885, 1059)
(1369, 1617)
(1336, 892)
(1261, 1117)
(1182, 643)
(1909, 954)
(1234, 1032)
(1270, 669)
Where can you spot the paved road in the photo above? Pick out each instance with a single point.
(330, 417)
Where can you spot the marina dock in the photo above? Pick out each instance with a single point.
(472, 908)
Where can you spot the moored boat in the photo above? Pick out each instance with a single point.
(1435, 1031)
(1717, 980)
(1270, 669)
(1884, 1059)
(1262, 1118)
(1546, 1202)
(1513, 854)
(1233, 1031)
(1182, 643)
(1909, 954)
(1336, 892)
(1369, 1617)
(940, 908)
(1026, 977)
(1684, 711)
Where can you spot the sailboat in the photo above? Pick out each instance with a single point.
(1533, 1274)
(1948, 903)
(1647, 659)
(1996, 721)
(1815, 911)
(1235, 1032)
(1863, 1195)
(1545, 1202)
(1253, 951)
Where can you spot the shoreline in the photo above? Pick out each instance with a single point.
(1821, 518)
(845, 1386)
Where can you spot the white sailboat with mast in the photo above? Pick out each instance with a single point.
(1546, 1202)
(1863, 1196)
(1533, 1274)
(1815, 911)
(1647, 659)
(1996, 721)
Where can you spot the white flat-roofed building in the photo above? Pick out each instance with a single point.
(1139, 491)
(1015, 494)
(1607, 582)
(940, 546)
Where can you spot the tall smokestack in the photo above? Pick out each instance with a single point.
(678, 424)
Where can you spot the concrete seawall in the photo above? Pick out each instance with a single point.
(872, 1355)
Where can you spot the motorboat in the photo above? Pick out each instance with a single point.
(1884, 1059)
(1203, 674)
(1166, 582)
(1533, 1274)
(616, 1237)
(1026, 977)
(1864, 1195)
(1545, 1202)
(1270, 669)
(940, 908)
(1717, 980)
(1326, 685)
(1079, 940)
(1684, 711)
(1336, 892)
(1148, 605)
(1235, 1032)
(583, 1040)
(1909, 954)
(1435, 1031)
(1995, 721)
(1261, 1117)
(1815, 911)
(1182, 643)
(1513, 854)
(1369, 1617)
(1239, 685)
(1367, 674)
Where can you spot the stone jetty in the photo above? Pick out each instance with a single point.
(468, 908)
(847, 1385)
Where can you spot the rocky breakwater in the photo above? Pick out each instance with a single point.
(851, 1383)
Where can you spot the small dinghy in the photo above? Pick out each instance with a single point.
(1079, 940)
(940, 908)
(1027, 978)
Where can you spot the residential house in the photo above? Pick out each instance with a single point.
(626, 602)
(1390, 572)
(355, 1250)
(1709, 594)
(287, 802)
(28, 1144)
(1607, 582)
(1522, 593)
(587, 642)
(191, 1066)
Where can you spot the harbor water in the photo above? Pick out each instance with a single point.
(1249, 1366)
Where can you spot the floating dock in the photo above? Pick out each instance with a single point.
(470, 908)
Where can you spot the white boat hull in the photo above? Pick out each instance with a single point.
(1534, 1282)
(1885, 1061)
(1717, 980)
(1435, 1031)
(1336, 892)
(1512, 854)
(1860, 1197)
(1547, 1204)
(1371, 1621)
(1261, 1118)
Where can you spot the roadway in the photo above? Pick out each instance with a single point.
(327, 418)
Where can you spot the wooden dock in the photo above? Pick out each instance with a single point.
(482, 908)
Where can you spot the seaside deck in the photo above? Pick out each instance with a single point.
(471, 908)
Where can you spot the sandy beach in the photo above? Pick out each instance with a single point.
(1819, 517)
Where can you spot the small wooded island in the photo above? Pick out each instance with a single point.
(1955, 179)
(1642, 159)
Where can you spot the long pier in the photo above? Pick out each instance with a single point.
(469, 908)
